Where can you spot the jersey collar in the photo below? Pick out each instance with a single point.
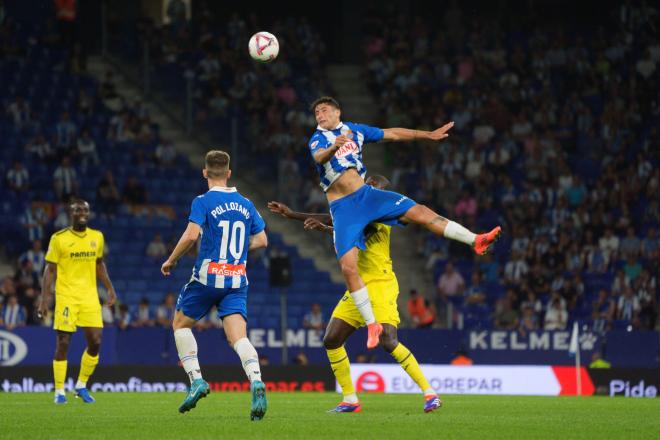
(340, 125)
(224, 189)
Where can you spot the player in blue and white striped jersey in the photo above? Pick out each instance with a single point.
(336, 148)
(230, 226)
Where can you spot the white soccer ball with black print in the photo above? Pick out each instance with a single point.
(264, 47)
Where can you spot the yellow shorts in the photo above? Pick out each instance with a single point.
(383, 295)
(69, 316)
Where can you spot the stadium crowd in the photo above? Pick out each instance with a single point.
(556, 138)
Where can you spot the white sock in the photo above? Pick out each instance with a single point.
(363, 304)
(460, 233)
(350, 398)
(80, 384)
(249, 359)
(186, 345)
(59, 392)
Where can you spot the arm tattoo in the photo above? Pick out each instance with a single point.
(438, 219)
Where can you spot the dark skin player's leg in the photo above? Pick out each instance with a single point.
(389, 339)
(93, 337)
(62, 341)
(336, 333)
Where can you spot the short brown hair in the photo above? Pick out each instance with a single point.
(325, 100)
(216, 163)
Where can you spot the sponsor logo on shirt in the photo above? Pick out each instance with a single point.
(226, 269)
(314, 144)
(347, 149)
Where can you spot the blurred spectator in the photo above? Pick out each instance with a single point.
(7, 289)
(645, 291)
(314, 318)
(529, 321)
(628, 307)
(603, 309)
(451, 283)
(19, 112)
(65, 135)
(107, 195)
(26, 278)
(33, 220)
(631, 246)
(65, 179)
(165, 311)
(632, 269)
(461, 358)
(134, 192)
(420, 311)
(505, 317)
(87, 150)
(556, 317)
(165, 153)
(650, 246)
(156, 248)
(18, 178)
(474, 295)
(36, 256)
(609, 244)
(143, 316)
(597, 361)
(39, 148)
(13, 314)
(516, 269)
(123, 319)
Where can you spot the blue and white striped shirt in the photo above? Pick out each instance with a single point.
(227, 220)
(349, 155)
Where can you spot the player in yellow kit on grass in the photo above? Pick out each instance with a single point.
(74, 260)
(375, 268)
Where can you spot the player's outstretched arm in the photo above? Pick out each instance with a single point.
(50, 274)
(286, 212)
(102, 274)
(312, 224)
(406, 134)
(187, 240)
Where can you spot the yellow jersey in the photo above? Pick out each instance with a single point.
(374, 263)
(75, 254)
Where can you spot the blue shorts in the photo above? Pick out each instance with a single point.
(196, 299)
(352, 213)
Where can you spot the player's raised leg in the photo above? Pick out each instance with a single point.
(235, 327)
(335, 336)
(360, 295)
(88, 362)
(390, 342)
(186, 346)
(435, 223)
(62, 341)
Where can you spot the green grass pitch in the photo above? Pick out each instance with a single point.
(303, 416)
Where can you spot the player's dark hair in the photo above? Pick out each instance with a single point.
(325, 100)
(77, 201)
(216, 163)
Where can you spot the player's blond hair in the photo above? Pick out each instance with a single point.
(216, 163)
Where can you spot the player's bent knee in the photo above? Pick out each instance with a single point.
(331, 341)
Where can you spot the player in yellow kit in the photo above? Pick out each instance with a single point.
(74, 260)
(375, 268)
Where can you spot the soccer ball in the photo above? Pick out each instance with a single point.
(264, 47)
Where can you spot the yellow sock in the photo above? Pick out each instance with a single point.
(87, 366)
(59, 374)
(341, 367)
(408, 362)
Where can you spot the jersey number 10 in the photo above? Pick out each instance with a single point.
(235, 240)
